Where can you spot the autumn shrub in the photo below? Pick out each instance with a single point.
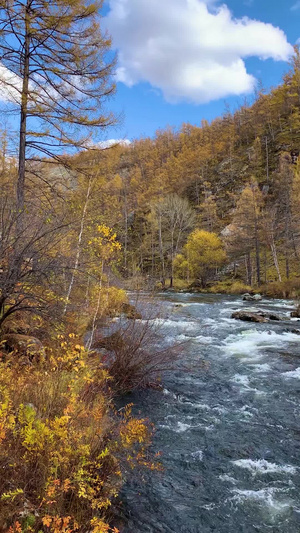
(179, 284)
(202, 254)
(282, 289)
(230, 287)
(107, 301)
(64, 451)
(139, 356)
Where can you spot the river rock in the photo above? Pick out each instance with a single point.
(251, 297)
(273, 316)
(296, 313)
(294, 331)
(110, 343)
(256, 315)
(248, 316)
(130, 311)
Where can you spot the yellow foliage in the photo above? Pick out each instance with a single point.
(230, 287)
(67, 448)
(202, 254)
(104, 244)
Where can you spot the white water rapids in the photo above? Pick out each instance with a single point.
(229, 430)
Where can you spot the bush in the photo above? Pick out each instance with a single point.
(230, 287)
(282, 289)
(64, 452)
(138, 359)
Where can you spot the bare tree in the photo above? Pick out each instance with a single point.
(174, 219)
(56, 74)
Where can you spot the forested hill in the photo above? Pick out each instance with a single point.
(239, 174)
(229, 186)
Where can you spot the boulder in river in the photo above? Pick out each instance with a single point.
(256, 315)
(248, 316)
(130, 311)
(296, 313)
(294, 331)
(252, 297)
(272, 316)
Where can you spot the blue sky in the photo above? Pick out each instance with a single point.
(181, 60)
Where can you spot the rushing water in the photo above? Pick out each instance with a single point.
(229, 431)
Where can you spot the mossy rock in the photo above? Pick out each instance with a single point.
(23, 345)
(130, 311)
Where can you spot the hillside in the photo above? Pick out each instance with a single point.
(212, 166)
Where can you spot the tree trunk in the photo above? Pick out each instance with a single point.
(23, 120)
(257, 254)
(172, 261)
(248, 268)
(267, 158)
(287, 266)
(75, 268)
(126, 231)
(97, 309)
(265, 264)
(161, 253)
(275, 259)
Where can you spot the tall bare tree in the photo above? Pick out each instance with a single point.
(174, 218)
(57, 72)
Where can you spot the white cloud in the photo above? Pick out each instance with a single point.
(10, 86)
(108, 143)
(188, 51)
(296, 6)
(114, 142)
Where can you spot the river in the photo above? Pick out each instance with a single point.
(229, 431)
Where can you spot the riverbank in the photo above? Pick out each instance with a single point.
(289, 289)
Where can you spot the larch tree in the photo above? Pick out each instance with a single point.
(58, 73)
(208, 215)
(286, 188)
(246, 227)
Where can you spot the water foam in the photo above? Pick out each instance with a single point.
(292, 373)
(229, 479)
(181, 427)
(201, 339)
(265, 497)
(250, 342)
(241, 380)
(167, 392)
(198, 455)
(196, 405)
(169, 323)
(265, 367)
(261, 466)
